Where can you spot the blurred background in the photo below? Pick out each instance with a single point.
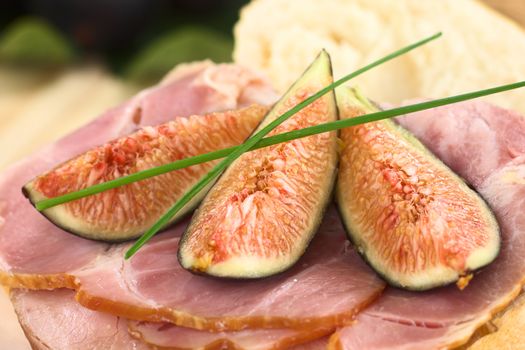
(90, 55)
(138, 40)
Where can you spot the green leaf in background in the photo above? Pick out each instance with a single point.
(35, 42)
(182, 45)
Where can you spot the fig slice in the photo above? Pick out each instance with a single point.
(259, 217)
(416, 222)
(126, 212)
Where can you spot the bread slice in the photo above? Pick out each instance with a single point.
(505, 331)
(480, 48)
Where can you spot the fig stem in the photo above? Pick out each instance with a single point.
(184, 163)
(258, 136)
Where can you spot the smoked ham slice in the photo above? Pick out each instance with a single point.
(169, 336)
(473, 138)
(54, 320)
(485, 145)
(36, 254)
(372, 333)
(327, 287)
(319, 344)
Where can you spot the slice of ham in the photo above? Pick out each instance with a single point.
(473, 138)
(373, 333)
(160, 335)
(199, 88)
(319, 344)
(35, 253)
(327, 287)
(54, 320)
(447, 317)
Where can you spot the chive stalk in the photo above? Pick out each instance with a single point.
(183, 163)
(313, 130)
(270, 141)
(254, 139)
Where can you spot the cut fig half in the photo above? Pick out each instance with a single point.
(126, 212)
(416, 222)
(260, 216)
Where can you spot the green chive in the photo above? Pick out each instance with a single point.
(145, 174)
(252, 141)
(313, 130)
